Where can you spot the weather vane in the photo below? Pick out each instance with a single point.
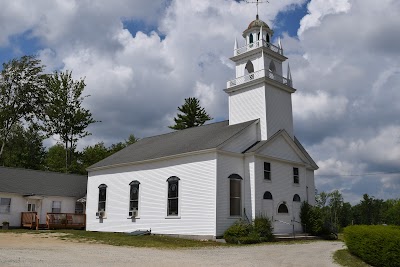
(257, 2)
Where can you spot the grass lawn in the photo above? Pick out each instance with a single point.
(345, 258)
(121, 239)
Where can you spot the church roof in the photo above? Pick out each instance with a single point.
(43, 183)
(189, 140)
(257, 23)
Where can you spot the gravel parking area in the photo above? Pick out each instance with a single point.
(49, 250)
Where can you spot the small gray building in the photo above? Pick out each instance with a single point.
(23, 190)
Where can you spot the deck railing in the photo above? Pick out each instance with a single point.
(259, 43)
(65, 220)
(29, 219)
(259, 74)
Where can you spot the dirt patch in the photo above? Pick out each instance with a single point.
(47, 249)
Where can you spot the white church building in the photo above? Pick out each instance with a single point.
(199, 181)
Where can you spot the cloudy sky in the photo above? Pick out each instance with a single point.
(141, 58)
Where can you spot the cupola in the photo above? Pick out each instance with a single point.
(253, 31)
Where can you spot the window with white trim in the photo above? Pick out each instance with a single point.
(296, 198)
(283, 208)
(134, 196)
(5, 205)
(296, 178)
(267, 195)
(173, 196)
(235, 194)
(267, 171)
(31, 207)
(102, 197)
(56, 207)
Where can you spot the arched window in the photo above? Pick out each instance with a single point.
(235, 194)
(272, 66)
(249, 67)
(267, 195)
(267, 38)
(251, 38)
(296, 198)
(283, 208)
(173, 196)
(134, 196)
(102, 197)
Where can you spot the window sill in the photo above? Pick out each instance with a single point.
(133, 218)
(235, 217)
(172, 217)
(295, 184)
(267, 181)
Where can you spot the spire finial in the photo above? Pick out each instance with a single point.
(257, 2)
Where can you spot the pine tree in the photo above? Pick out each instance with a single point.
(192, 115)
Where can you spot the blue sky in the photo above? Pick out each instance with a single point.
(140, 59)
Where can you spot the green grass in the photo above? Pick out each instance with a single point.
(149, 241)
(121, 239)
(345, 258)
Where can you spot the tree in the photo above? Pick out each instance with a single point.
(55, 158)
(21, 94)
(24, 148)
(192, 115)
(92, 154)
(64, 114)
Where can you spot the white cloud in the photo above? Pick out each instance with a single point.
(318, 9)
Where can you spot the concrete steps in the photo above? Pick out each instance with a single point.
(298, 236)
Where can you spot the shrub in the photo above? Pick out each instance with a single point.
(377, 245)
(263, 226)
(249, 233)
(237, 230)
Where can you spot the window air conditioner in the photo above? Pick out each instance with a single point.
(101, 214)
(133, 213)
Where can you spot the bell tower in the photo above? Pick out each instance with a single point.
(259, 90)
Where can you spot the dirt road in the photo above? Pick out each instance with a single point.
(48, 250)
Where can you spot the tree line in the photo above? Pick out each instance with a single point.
(331, 213)
(35, 106)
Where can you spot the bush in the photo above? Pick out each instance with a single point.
(377, 245)
(315, 223)
(237, 230)
(249, 233)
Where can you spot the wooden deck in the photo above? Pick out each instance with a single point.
(65, 221)
(53, 221)
(29, 220)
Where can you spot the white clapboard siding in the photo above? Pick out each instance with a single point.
(248, 104)
(311, 186)
(282, 189)
(20, 204)
(243, 140)
(279, 110)
(227, 165)
(280, 148)
(197, 196)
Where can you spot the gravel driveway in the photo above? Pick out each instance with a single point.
(48, 250)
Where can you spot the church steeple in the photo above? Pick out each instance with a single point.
(259, 90)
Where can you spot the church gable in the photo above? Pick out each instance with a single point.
(280, 146)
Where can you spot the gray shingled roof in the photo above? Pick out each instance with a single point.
(26, 182)
(175, 143)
